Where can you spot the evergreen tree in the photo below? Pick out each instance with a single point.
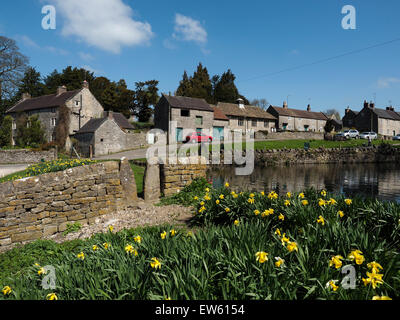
(31, 83)
(201, 84)
(146, 95)
(109, 97)
(29, 132)
(125, 99)
(225, 89)
(185, 86)
(72, 78)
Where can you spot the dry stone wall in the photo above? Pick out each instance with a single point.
(35, 207)
(26, 156)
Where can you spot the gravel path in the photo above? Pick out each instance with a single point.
(143, 214)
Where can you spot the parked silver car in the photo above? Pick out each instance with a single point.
(370, 135)
(351, 133)
(396, 137)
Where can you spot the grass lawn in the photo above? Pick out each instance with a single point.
(138, 171)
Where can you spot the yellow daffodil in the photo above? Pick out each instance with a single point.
(155, 263)
(256, 212)
(235, 196)
(357, 256)
(262, 193)
(340, 213)
(321, 220)
(301, 195)
(304, 202)
(137, 239)
(348, 201)
(40, 271)
(289, 194)
(281, 217)
(217, 202)
(203, 208)
(332, 284)
(172, 232)
(207, 189)
(196, 198)
(131, 250)
(51, 296)
(81, 256)
(279, 262)
(272, 195)
(236, 222)
(284, 239)
(207, 197)
(381, 298)
(278, 232)
(221, 196)
(111, 228)
(286, 203)
(6, 290)
(261, 256)
(292, 246)
(226, 185)
(336, 261)
(375, 266)
(321, 202)
(227, 210)
(233, 193)
(163, 235)
(106, 245)
(95, 247)
(250, 200)
(374, 279)
(323, 193)
(332, 201)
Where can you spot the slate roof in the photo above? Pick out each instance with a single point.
(92, 125)
(219, 114)
(299, 113)
(386, 114)
(232, 109)
(121, 120)
(188, 103)
(48, 101)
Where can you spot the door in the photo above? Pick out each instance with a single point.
(218, 133)
(179, 134)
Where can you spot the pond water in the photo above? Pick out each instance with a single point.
(381, 181)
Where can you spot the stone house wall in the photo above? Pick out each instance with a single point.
(40, 206)
(26, 156)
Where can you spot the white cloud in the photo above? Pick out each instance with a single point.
(169, 44)
(105, 24)
(387, 82)
(89, 68)
(56, 50)
(86, 56)
(188, 29)
(28, 42)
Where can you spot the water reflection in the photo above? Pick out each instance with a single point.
(380, 181)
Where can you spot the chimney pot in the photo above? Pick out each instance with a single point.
(366, 104)
(285, 105)
(308, 108)
(26, 96)
(85, 84)
(371, 105)
(61, 90)
(240, 102)
(347, 109)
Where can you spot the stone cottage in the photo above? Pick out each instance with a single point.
(81, 104)
(385, 122)
(298, 120)
(348, 119)
(109, 134)
(246, 117)
(180, 116)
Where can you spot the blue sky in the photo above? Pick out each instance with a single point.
(157, 39)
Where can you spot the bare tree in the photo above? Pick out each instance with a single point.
(12, 67)
(334, 112)
(262, 103)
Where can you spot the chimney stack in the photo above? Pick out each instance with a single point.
(85, 84)
(366, 105)
(371, 105)
(61, 89)
(347, 109)
(26, 96)
(285, 105)
(308, 108)
(110, 115)
(240, 102)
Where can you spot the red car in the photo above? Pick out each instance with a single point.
(196, 137)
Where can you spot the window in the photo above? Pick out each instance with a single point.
(185, 113)
(53, 110)
(77, 103)
(265, 124)
(306, 127)
(199, 120)
(14, 125)
(53, 122)
(284, 126)
(254, 123)
(240, 122)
